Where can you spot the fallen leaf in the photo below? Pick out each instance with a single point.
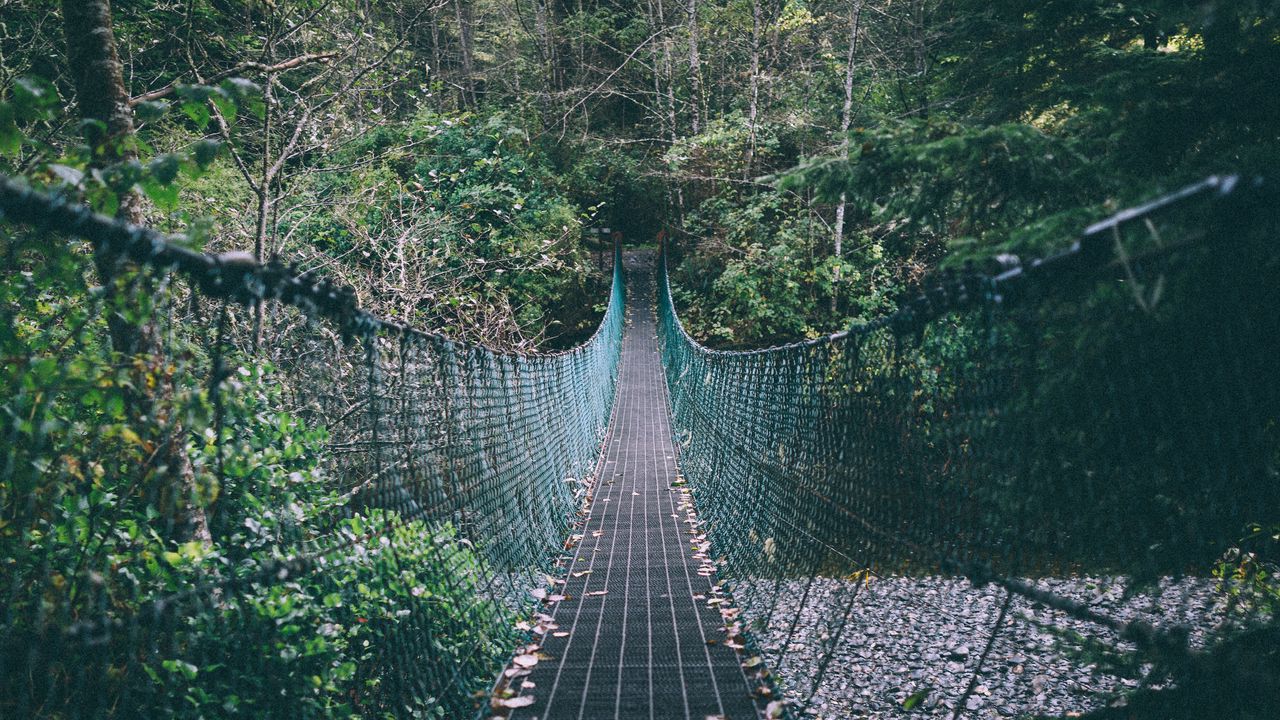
(915, 699)
(597, 592)
(518, 702)
(528, 661)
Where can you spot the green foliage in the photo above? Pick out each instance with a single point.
(1018, 128)
(102, 181)
(488, 220)
(329, 644)
(760, 287)
(89, 529)
(32, 100)
(971, 186)
(1250, 572)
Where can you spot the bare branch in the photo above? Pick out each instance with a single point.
(239, 69)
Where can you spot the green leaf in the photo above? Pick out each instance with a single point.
(150, 110)
(227, 106)
(34, 98)
(165, 196)
(164, 168)
(205, 152)
(915, 699)
(198, 112)
(10, 135)
(246, 94)
(188, 670)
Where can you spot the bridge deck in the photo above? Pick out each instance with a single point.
(635, 609)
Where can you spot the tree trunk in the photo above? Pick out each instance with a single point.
(753, 106)
(463, 13)
(96, 71)
(655, 22)
(920, 56)
(437, 58)
(264, 186)
(695, 67)
(547, 50)
(846, 118)
(101, 95)
(668, 97)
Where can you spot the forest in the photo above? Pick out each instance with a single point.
(463, 167)
(810, 160)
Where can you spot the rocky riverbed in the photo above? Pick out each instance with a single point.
(916, 643)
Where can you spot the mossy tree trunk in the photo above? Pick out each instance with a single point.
(102, 98)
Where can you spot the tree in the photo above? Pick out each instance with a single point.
(104, 102)
(846, 117)
(695, 67)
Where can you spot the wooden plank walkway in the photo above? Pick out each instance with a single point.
(636, 616)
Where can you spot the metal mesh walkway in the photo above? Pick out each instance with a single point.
(635, 612)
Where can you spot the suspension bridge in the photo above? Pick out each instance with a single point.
(968, 508)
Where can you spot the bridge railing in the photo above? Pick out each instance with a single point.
(1051, 489)
(228, 491)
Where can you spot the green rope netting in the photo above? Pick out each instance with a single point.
(311, 512)
(1109, 417)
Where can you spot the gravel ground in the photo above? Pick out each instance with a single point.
(905, 636)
